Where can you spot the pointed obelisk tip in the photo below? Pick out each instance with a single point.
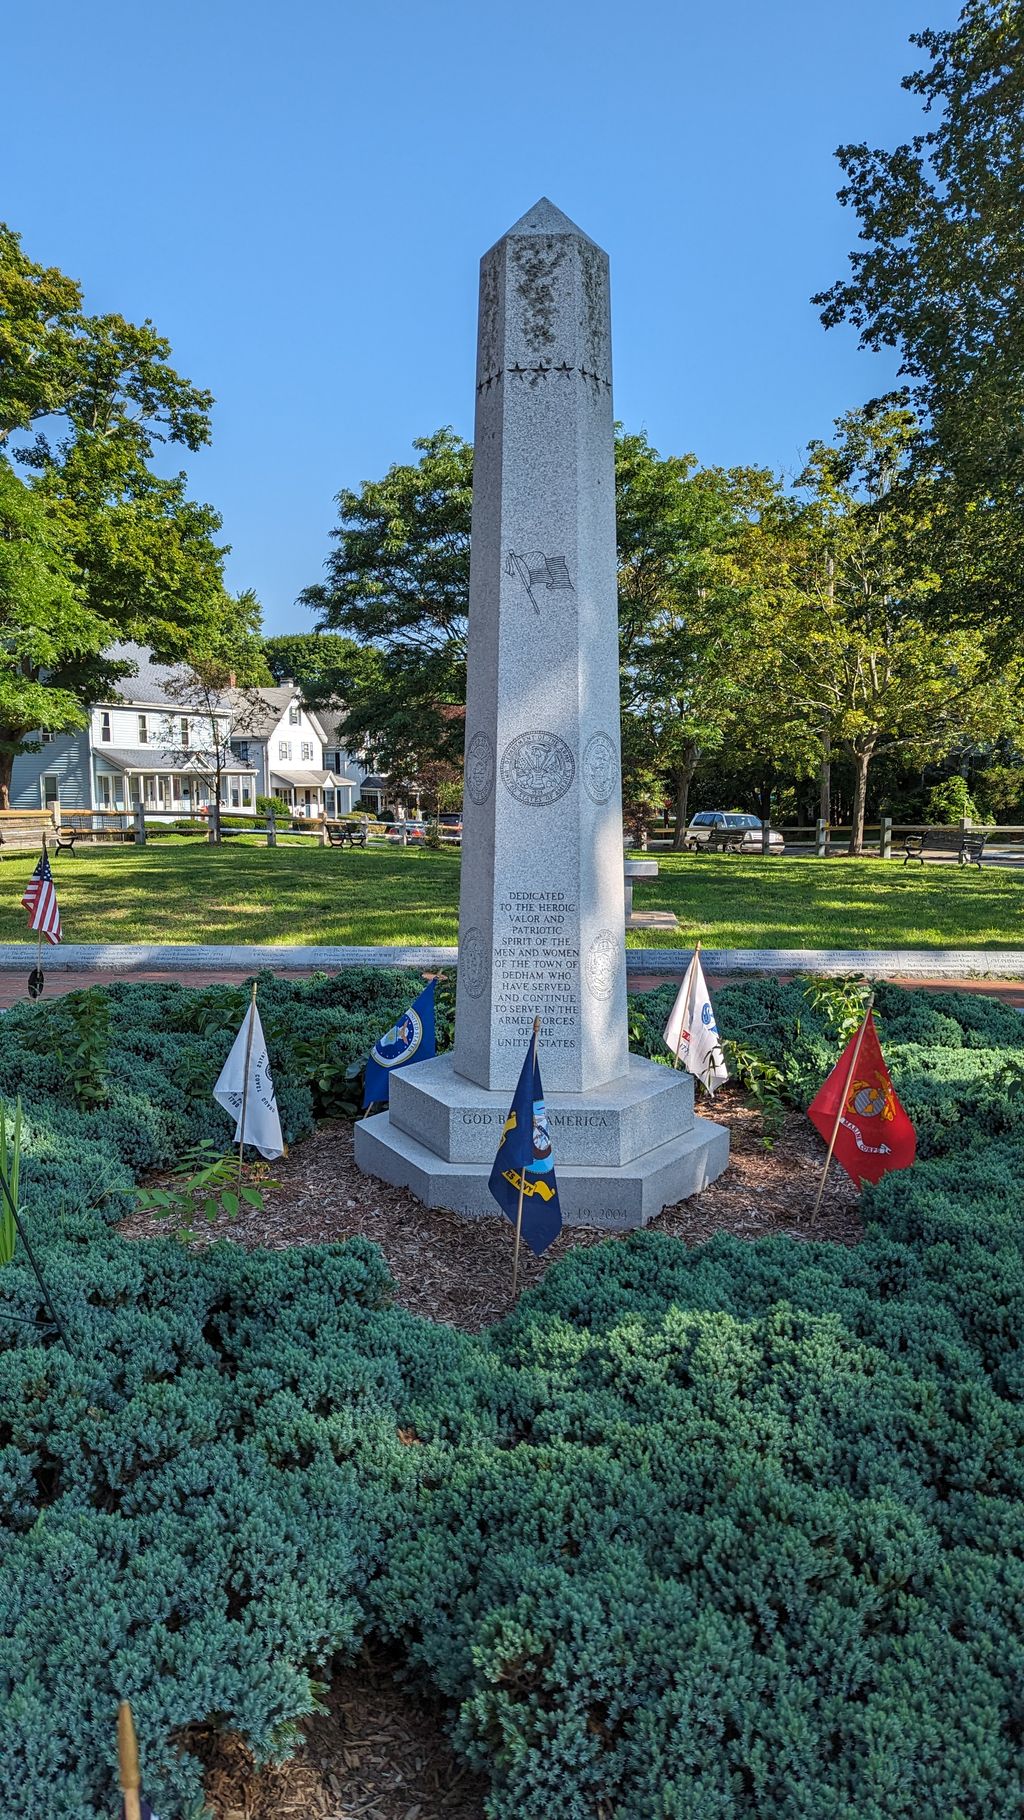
(544, 218)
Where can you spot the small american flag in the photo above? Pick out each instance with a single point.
(40, 900)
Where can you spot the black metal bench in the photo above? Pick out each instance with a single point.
(64, 840)
(968, 847)
(339, 834)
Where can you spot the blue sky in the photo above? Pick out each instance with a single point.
(298, 196)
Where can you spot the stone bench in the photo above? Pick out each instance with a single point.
(637, 869)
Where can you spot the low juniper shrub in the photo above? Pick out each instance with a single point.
(695, 1534)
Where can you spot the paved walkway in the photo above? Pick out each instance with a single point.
(73, 967)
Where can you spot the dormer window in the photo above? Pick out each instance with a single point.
(294, 714)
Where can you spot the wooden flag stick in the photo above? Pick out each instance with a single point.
(245, 1080)
(679, 1040)
(128, 1758)
(522, 1172)
(841, 1106)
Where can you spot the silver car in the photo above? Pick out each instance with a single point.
(720, 828)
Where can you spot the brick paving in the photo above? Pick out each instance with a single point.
(13, 984)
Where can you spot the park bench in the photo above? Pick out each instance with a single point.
(21, 828)
(934, 842)
(344, 834)
(722, 840)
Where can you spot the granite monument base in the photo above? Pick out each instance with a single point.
(622, 1151)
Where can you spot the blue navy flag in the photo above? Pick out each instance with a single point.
(412, 1039)
(524, 1156)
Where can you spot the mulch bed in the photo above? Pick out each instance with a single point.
(380, 1752)
(460, 1271)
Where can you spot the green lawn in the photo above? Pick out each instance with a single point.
(184, 891)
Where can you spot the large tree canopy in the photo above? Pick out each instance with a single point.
(85, 401)
(939, 279)
(399, 580)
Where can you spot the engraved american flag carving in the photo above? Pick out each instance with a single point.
(40, 900)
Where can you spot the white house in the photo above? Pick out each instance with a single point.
(151, 742)
(286, 743)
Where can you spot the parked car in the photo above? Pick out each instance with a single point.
(708, 827)
(414, 831)
(451, 828)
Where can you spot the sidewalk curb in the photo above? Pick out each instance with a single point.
(878, 963)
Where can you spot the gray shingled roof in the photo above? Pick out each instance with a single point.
(153, 684)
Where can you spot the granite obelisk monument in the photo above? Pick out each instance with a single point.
(541, 925)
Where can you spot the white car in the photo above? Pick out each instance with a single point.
(723, 828)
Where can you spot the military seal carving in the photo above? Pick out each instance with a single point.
(472, 966)
(479, 768)
(537, 769)
(600, 767)
(602, 964)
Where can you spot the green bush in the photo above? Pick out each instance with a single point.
(273, 805)
(716, 1532)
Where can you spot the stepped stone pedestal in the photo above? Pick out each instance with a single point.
(542, 910)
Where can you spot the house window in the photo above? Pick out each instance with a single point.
(105, 727)
(184, 730)
(246, 793)
(307, 749)
(104, 784)
(294, 715)
(50, 791)
(284, 748)
(47, 739)
(240, 748)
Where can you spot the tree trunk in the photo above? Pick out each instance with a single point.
(682, 778)
(861, 762)
(6, 773)
(825, 782)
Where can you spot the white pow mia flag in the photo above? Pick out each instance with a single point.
(262, 1123)
(692, 1033)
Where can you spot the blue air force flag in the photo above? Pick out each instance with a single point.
(524, 1156)
(412, 1039)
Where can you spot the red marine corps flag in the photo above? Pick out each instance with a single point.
(857, 1112)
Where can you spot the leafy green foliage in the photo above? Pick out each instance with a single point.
(10, 1171)
(101, 545)
(206, 1181)
(936, 276)
(708, 1533)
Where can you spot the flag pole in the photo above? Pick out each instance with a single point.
(128, 1760)
(839, 1108)
(522, 1175)
(679, 1039)
(245, 1080)
(40, 1279)
(36, 977)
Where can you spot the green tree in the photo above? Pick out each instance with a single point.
(938, 278)
(85, 404)
(399, 580)
(691, 630)
(863, 663)
(331, 669)
(45, 630)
